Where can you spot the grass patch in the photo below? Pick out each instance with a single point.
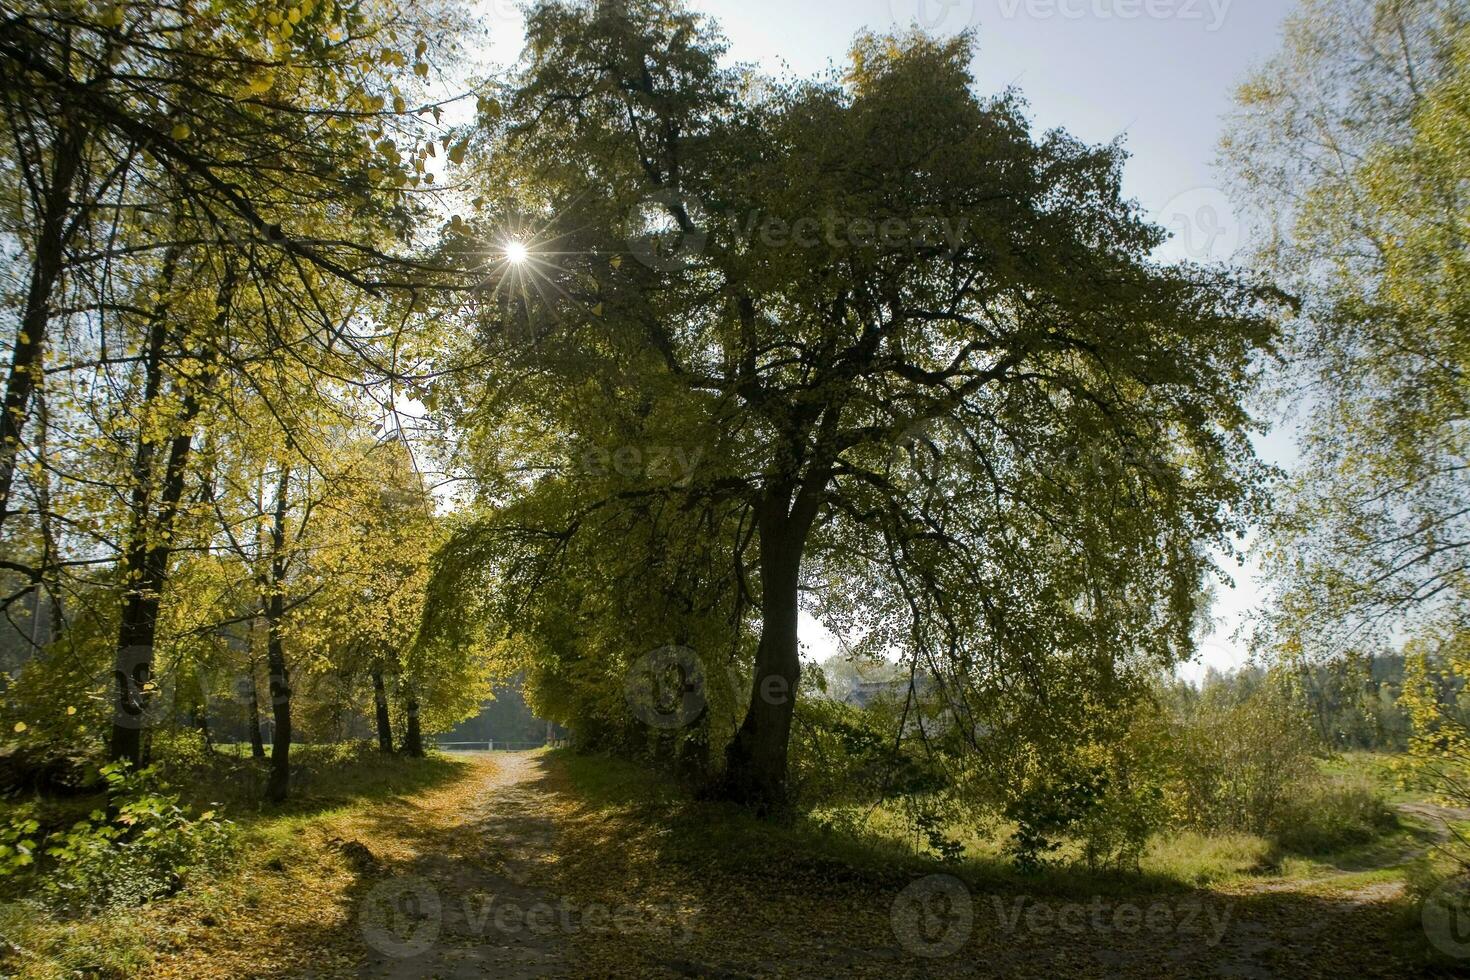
(323, 777)
(1201, 859)
(1339, 812)
(1381, 770)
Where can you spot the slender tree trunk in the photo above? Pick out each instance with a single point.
(380, 704)
(26, 360)
(257, 743)
(413, 742)
(51, 553)
(755, 762)
(134, 661)
(278, 785)
(202, 719)
(150, 546)
(147, 568)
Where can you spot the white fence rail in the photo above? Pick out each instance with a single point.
(488, 746)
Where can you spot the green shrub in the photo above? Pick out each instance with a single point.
(144, 846)
(1050, 808)
(18, 844)
(1243, 761)
(844, 754)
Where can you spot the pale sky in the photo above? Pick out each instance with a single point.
(1160, 73)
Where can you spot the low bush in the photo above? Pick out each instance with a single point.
(1242, 761)
(142, 845)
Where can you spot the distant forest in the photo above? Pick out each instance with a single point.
(1352, 703)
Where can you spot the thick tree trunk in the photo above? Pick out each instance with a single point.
(278, 786)
(413, 742)
(30, 337)
(755, 762)
(380, 705)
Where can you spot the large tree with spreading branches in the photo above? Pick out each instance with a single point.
(921, 354)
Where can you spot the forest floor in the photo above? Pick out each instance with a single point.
(518, 865)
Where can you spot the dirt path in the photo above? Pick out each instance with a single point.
(1436, 816)
(466, 903)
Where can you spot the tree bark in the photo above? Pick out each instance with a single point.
(755, 761)
(380, 704)
(278, 786)
(257, 742)
(30, 337)
(50, 551)
(147, 569)
(145, 564)
(150, 547)
(201, 720)
(413, 742)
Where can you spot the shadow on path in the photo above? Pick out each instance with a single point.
(525, 876)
